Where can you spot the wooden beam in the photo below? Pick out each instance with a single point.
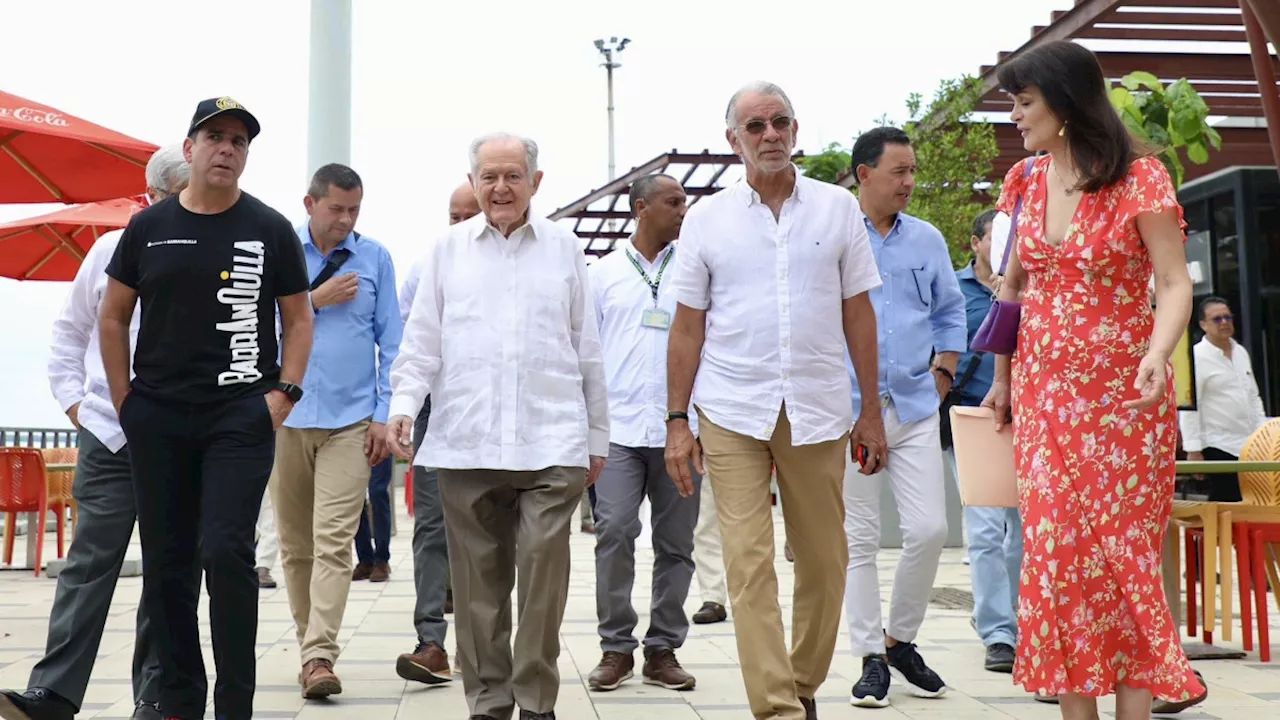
(1264, 66)
(1267, 13)
(1169, 34)
(1198, 4)
(1171, 18)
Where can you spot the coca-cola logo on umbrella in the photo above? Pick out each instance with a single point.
(35, 117)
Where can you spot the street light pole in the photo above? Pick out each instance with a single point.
(608, 49)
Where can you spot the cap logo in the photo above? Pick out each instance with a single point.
(226, 103)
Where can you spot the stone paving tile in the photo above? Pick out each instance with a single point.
(379, 626)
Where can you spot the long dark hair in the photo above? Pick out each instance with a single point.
(1070, 79)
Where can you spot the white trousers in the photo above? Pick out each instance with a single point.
(267, 550)
(708, 550)
(914, 474)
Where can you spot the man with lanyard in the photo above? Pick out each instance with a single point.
(994, 534)
(200, 414)
(634, 309)
(337, 432)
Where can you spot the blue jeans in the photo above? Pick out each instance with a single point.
(994, 536)
(373, 545)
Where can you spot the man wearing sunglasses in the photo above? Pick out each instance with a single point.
(1228, 406)
(772, 280)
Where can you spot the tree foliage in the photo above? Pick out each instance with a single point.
(1171, 119)
(955, 155)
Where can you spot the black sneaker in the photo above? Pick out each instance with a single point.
(872, 691)
(921, 681)
(1000, 658)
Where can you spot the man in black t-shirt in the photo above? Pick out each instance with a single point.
(209, 267)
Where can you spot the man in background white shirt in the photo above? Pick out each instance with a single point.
(1228, 406)
(634, 304)
(103, 490)
(503, 339)
(433, 590)
(772, 278)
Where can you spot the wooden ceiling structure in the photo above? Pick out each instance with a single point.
(603, 216)
(1235, 85)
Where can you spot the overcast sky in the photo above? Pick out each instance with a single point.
(429, 76)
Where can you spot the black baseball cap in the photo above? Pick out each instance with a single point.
(213, 107)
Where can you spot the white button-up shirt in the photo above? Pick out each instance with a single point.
(76, 374)
(1228, 406)
(501, 336)
(635, 356)
(773, 291)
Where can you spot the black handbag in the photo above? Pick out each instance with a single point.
(953, 398)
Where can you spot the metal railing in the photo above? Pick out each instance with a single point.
(39, 437)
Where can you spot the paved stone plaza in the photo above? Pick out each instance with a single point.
(379, 626)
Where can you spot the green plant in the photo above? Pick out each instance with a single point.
(828, 166)
(1169, 118)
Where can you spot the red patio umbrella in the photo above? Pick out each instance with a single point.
(51, 247)
(47, 155)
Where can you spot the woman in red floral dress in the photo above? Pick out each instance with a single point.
(1095, 420)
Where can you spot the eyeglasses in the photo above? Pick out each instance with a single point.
(781, 123)
(1222, 319)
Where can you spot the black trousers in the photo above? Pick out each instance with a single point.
(1222, 488)
(199, 473)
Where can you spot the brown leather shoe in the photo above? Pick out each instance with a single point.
(710, 613)
(661, 668)
(786, 552)
(614, 669)
(428, 664)
(381, 572)
(318, 680)
(265, 580)
(588, 528)
(362, 572)
(810, 708)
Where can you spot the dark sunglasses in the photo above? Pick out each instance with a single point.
(781, 123)
(1222, 319)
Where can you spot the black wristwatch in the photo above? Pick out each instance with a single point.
(293, 392)
(945, 372)
(677, 415)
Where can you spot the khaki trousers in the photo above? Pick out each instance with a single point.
(318, 487)
(497, 523)
(810, 480)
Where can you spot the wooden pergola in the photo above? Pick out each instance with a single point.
(603, 216)
(1235, 85)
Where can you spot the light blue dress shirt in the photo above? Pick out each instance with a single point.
(349, 374)
(919, 310)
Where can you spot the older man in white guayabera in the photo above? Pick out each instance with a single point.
(104, 491)
(502, 337)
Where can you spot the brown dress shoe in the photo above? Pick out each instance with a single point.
(381, 572)
(317, 679)
(661, 668)
(265, 580)
(428, 664)
(362, 572)
(810, 708)
(614, 669)
(710, 613)
(588, 528)
(786, 552)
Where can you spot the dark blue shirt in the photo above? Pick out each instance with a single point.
(977, 303)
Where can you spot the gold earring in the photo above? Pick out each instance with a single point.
(1062, 131)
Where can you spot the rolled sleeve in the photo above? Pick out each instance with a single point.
(858, 270)
(692, 279)
(388, 331)
(950, 331)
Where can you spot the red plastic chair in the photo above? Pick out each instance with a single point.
(23, 489)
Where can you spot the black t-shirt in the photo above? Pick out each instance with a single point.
(208, 286)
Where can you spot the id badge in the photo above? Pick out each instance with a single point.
(656, 318)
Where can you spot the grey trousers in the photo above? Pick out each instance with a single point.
(499, 522)
(430, 551)
(630, 475)
(104, 491)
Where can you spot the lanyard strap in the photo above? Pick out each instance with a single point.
(653, 284)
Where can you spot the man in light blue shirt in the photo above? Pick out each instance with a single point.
(336, 432)
(921, 326)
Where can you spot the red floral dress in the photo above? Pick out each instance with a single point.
(1095, 480)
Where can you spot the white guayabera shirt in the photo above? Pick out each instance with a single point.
(502, 337)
